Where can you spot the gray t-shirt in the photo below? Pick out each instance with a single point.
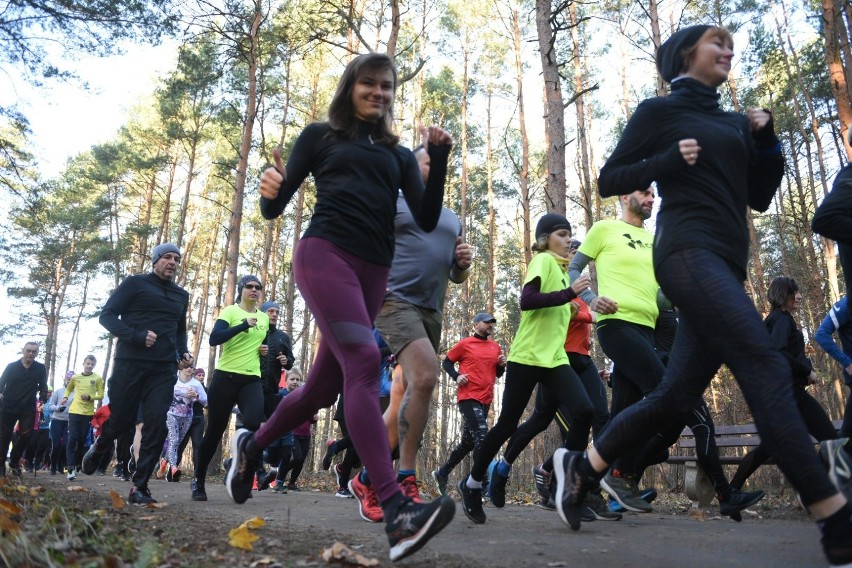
(422, 261)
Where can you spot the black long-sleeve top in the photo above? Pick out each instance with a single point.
(146, 302)
(19, 385)
(357, 186)
(703, 206)
(787, 338)
(277, 343)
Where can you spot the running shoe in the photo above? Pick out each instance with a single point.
(162, 468)
(72, 475)
(647, 495)
(471, 502)
(280, 487)
(413, 524)
(497, 489)
(344, 493)
(624, 490)
(174, 474)
(92, 458)
(737, 501)
(198, 492)
(329, 454)
(570, 492)
(140, 496)
(368, 503)
(265, 480)
(409, 488)
(440, 481)
(838, 463)
(293, 486)
(595, 506)
(838, 549)
(119, 470)
(542, 483)
(241, 473)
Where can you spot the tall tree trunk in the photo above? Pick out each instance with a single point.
(554, 113)
(835, 36)
(234, 227)
(585, 167)
(524, 171)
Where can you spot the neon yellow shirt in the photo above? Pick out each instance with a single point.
(541, 334)
(80, 384)
(240, 354)
(623, 255)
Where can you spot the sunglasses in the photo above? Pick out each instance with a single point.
(253, 287)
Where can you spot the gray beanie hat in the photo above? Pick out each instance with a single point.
(242, 283)
(266, 305)
(162, 249)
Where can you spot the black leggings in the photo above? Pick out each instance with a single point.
(226, 390)
(196, 435)
(816, 420)
(638, 371)
(475, 415)
(706, 452)
(294, 461)
(521, 379)
(547, 408)
(719, 325)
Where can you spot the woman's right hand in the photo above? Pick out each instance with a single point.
(580, 284)
(689, 149)
(252, 322)
(272, 178)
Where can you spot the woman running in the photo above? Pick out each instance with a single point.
(240, 329)
(341, 267)
(785, 298)
(537, 357)
(709, 166)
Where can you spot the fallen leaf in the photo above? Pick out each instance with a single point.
(242, 537)
(54, 515)
(156, 505)
(7, 524)
(77, 489)
(698, 514)
(34, 491)
(117, 500)
(265, 562)
(339, 553)
(253, 523)
(10, 508)
(148, 518)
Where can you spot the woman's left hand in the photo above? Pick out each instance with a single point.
(758, 119)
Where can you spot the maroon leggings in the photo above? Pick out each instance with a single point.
(344, 293)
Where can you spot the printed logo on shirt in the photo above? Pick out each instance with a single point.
(636, 243)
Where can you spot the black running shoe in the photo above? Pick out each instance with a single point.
(497, 489)
(471, 502)
(413, 524)
(838, 550)
(241, 473)
(140, 496)
(265, 480)
(198, 492)
(569, 487)
(737, 501)
(92, 458)
(595, 506)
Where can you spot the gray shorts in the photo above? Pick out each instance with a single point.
(400, 323)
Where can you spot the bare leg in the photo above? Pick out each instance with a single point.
(420, 366)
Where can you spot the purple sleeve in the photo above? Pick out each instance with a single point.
(532, 298)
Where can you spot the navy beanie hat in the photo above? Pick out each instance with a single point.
(162, 249)
(670, 61)
(551, 222)
(245, 280)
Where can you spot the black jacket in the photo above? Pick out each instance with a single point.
(270, 368)
(146, 302)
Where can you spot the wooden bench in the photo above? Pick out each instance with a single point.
(697, 484)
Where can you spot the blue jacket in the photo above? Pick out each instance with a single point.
(837, 320)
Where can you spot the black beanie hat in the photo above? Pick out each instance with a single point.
(551, 222)
(670, 61)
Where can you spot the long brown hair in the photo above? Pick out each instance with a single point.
(341, 114)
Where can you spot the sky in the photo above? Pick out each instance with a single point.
(66, 119)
